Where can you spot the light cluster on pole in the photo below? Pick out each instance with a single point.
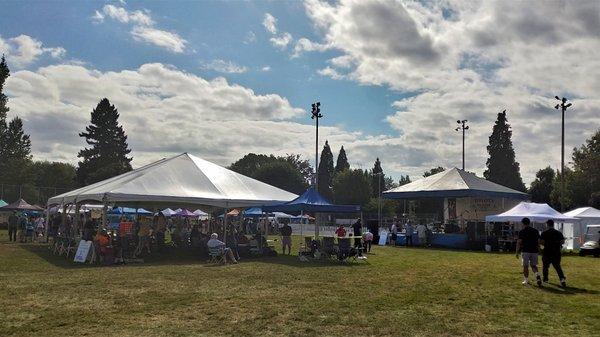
(316, 114)
(563, 105)
(462, 126)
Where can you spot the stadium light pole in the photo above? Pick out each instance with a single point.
(563, 105)
(462, 126)
(316, 114)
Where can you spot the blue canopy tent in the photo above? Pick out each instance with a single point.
(313, 202)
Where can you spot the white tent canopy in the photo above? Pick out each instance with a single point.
(535, 212)
(574, 232)
(183, 179)
(585, 213)
(453, 183)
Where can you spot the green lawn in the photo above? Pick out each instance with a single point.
(399, 292)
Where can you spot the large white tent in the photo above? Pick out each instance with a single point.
(453, 183)
(182, 179)
(574, 231)
(534, 211)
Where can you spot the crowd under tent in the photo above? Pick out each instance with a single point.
(181, 180)
(574, 231)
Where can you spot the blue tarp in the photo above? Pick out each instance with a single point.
(311, 201)
(128, 210)
(254, 212)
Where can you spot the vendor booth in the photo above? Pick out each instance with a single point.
(453, 204)
(574, 232)
(506, 226)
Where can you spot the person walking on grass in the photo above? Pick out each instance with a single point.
(552, 240)
(528, 247)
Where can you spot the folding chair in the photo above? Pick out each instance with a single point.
(329, 248)
(217, 255)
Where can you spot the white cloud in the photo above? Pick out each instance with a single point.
(281, 41)
(163, 110)
(306, 45)
(167, 40)
(471, 60)
(144, 29)
(269, 22)
(98, 17)
(250, 37)
(23, 50)
(122, 15)
(266, 68)
(223, 66)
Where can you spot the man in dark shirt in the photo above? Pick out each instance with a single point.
(357, 227)
(552, 240)
(286, 237)
(13, 225)
(528, 246)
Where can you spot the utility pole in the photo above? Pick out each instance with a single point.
(563, 105)
(316, 114)
(462, 126)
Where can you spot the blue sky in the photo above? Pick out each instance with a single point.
(214, 30)
(223, 78)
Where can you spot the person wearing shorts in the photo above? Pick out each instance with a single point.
(528, 247)
(286, 238)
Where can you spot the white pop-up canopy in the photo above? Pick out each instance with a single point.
(574, 232)
(535, 212)
(183, 179)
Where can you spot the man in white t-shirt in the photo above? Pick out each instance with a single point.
(422, 233)
(214, 242)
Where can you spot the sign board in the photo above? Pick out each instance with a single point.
(383, 238)
(83, 250)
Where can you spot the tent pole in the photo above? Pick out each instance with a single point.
(225, 225)
(104, 210)
(301, 223)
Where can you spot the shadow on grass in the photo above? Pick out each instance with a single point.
(294, 261)
(174, 257)
(557, 289)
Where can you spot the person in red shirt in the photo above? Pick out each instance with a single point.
(340, 231)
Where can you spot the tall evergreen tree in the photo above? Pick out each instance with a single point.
(433, 171)
(376, 179)
(107, 156)
(342, 161)
(15, 145)
(404, 180)
(325, 172)
(4, 73)
(502, 168)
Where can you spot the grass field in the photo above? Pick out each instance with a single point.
(399, 292)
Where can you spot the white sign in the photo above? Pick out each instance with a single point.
(383, 238)
(83, 250)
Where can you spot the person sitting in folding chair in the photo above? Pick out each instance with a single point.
(217, 249)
